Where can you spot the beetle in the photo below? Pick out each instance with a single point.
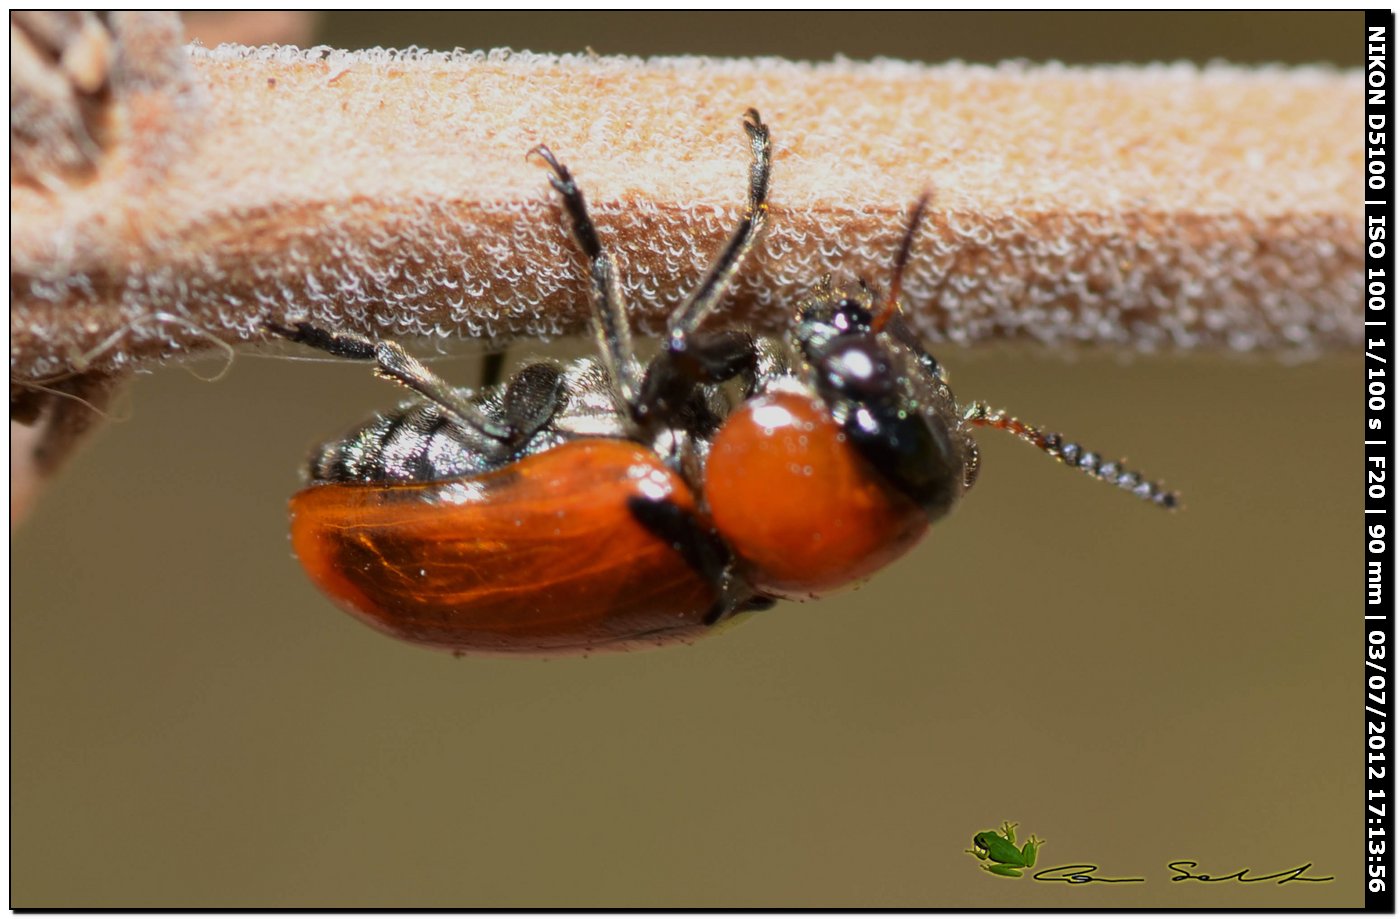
(607, 504)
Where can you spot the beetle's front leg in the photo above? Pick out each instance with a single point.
(708, 358)
(705, 552)
(717, 281)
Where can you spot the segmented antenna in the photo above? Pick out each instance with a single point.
(891, 304)
(1072, 454)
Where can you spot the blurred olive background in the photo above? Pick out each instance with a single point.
(192, 725)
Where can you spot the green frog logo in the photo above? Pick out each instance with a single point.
(998, 851)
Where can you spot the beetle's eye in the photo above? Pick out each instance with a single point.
(858, 368)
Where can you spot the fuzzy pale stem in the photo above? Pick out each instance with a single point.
(1162, 206)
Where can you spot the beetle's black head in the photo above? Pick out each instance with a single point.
(893, 401)
(888, 393)
(832, 312)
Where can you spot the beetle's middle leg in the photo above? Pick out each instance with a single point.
(609, 309)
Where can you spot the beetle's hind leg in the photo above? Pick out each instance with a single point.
(394, 363)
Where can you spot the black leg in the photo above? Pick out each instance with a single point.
(684, 363)
(702, 550)
(690, 358)
(717, 281)
(610, 324)
(493, 367)
(394, 363)
(709, 358)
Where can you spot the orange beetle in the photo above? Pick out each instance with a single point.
(605, 506)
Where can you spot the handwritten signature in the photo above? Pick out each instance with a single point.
(1283, 877)
(1084, 874)
(1080, 874)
